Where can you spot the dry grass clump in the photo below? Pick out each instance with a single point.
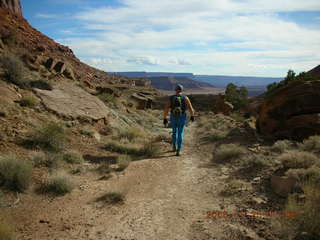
(282, 146)
(148, 149)
(28, 101)
(296, 159)
(73, 157)
(50, 137)
(311, 144)
(15, 173)
(15, 71)
(311, 174)
(47, 159)
(112, 198)
(131, 134)
(214, 135)
(123, 162)
(232, 188)
(305, 220)
(6, 230)
(256, 162)
(58, 184)
(228, 153)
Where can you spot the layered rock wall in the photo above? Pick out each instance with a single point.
(13, 6)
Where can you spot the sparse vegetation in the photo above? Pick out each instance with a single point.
(108, 99)
(305, 220)
(228, 152)
(14, 70)
(58, 184)
(123, 162)
(6, 230)
(214, 135)
(112, 198)
(15, 173)
(282, 146)
(28, 101)
(51, 137)
(131, 133)
(49, 160)
(304, 176)
(311, 144)
(296, 159)
(256, 162)
(232, 188)
(73, 157)
(149, 149)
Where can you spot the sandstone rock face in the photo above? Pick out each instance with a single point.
(292, 111)
(72, 102)
(13, 6)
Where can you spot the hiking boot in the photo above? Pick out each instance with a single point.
(178, 152)
(174, 149)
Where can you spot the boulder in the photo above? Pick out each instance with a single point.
(283, 185)
(72, 102)
(13, 6)
(292, 111)
(143, 101)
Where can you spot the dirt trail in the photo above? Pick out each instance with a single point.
(166, 198)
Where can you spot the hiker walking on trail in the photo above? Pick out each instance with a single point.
(177, 104)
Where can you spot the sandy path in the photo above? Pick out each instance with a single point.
(166, 198)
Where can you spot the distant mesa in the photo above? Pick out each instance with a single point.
(13, 6)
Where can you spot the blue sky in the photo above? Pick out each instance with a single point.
(220, 37)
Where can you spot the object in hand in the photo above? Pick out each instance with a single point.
(192, 118)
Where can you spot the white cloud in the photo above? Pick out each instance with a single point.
(46, 15)
(217, 36)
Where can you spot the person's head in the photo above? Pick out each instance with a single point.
(179, 88)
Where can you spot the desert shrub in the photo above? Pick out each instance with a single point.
(256, 162)
(15, 173)
(232, 188)
(73, 157)
(131, 133)
(214, 135)
(237, 116)
(295, 159)
(238, 97)
(47, 159)
(311, 174)
(14, 70)
(108, 99)
(228, 152)
(58, 184)
(282, 146)
(149, 149)
(305, 219)
(6, 231)
(112, 198)
(165, 137)
(50, 137)
(123, 162)
(28, 101)
(10, 38)
(311, 144)
(115, 146)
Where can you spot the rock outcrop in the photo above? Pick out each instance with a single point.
(71, 102)
(292, 111)
(13, 6)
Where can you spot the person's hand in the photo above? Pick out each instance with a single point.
(165, 121)
(192, 118)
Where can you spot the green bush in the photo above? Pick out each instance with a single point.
(49, 160)
(295, 159)
(28, 101)
(112, 198)
(73, 157)
(50, 137)
(238, 97)
(15, 174)
(58, 184)
(228, 152)
(15, 71)
(6, 231)
(123, 162)
(311, 144)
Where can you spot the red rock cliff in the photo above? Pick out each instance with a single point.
(13, 6)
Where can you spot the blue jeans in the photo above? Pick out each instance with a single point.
(178, 124)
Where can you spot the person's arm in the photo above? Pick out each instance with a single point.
(189, 105)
